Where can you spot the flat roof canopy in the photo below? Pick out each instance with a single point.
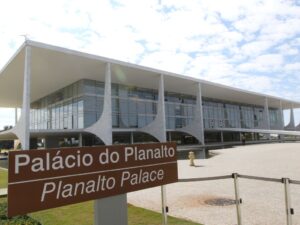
(53, 68)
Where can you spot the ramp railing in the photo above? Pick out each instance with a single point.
(289, 211)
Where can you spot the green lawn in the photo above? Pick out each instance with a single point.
(82, 213)
(3, 178)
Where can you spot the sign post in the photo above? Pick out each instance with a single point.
(43, 179)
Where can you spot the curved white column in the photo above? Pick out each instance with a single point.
(281, 115)
(292, 120)
(196, 128)
(22, 128)
(266, 114)
(291, 125)
(112, 210)
(103, 127)
(157, 128)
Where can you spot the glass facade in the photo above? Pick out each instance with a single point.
(133, 107)
(80, 104)
(179, 110)
(276, 122)
(217, 114)
(74, 107)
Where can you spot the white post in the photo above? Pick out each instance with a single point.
(287, 201)
(164, 205)
(25, 135)
(237, 198)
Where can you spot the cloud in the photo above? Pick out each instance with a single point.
(255, 48)
(287, 49)
(292, 67)
(241, 43)
(169, 61)
(264, 63)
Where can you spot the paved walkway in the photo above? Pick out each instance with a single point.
(263, 202)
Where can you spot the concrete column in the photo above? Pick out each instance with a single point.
(281, 115)
(291, 125)
(131, 138)
(103, 127)
(158, 127)
(22, 127)
(196, 128)
(16, 115)
(161, 108)
(111, 210)
(266, 114)
(199, 101)
(222, 137)
(170, 136)
(80, 141)
(292, 118)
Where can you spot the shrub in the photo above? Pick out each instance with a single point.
(17, 220)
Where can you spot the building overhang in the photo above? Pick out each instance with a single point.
(261, 131)
(10, 135)
(53, 68)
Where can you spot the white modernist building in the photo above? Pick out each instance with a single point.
(73, 98)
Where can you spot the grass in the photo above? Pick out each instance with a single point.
(82, 213)
(3, 178)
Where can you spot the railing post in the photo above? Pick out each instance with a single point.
(238, 200)
(164, 205)
(289, 210)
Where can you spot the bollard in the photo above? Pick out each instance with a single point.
(192, 158)
(237, 198)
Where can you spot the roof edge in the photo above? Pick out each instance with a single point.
(23, 45)
(135, 66)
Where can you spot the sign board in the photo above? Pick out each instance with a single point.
(43, 179)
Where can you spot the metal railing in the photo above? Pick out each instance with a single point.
(289, 211)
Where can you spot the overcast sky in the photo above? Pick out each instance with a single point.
(249, 44)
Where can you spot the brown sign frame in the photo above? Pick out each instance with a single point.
(43, 179)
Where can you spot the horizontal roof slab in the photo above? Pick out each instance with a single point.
(54, 68)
